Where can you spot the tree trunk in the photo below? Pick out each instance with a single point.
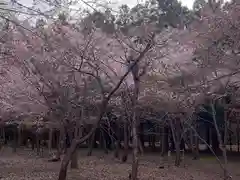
(20, 135)
(38, 143)
(2, 140)
(140, 146)
(166, 142)
(104, 141)
(230, 136)
(215, 141)
(60, 142)
(91, 144)
(141, 137)
(135, 131)
(238, 135)
(224, 150)
(223, 143)
(66, 159)
(74, 160)
(126, 138)
(116, 153)
(208, 131)
(163, 147)
(191, 141)
(3, 135)
(50, 140)
(196, 148)
(178, 154)
(14, 146)
(117, 143)
(135, 150)
(176, 140)
(195, 142)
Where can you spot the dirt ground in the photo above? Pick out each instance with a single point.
(26, 165)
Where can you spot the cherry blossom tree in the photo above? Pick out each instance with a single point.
(57, 59)
(49, 60)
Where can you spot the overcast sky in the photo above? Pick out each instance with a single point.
(131, 3)
(187, 3)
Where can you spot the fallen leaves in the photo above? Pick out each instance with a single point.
(25, 166)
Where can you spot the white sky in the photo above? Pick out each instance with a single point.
(77, 9)
(131, 3)
(187, 3)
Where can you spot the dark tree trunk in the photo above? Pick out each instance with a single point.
(178, 155)
(178, 142)
(117, 146)
(50, 138)
(14, 140)
(141, 137)
(195, 146)
(117, 141)
(64, 165)
(19, 135)
(215, 142)
(38, 143)
(91, 144)
(67, 157)
(176, 136)
(33, 141)
(164, 145)
(173, 147)
(104, 141)
(74, 160)
(208, 134)
(164, 141)
(126, 141)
